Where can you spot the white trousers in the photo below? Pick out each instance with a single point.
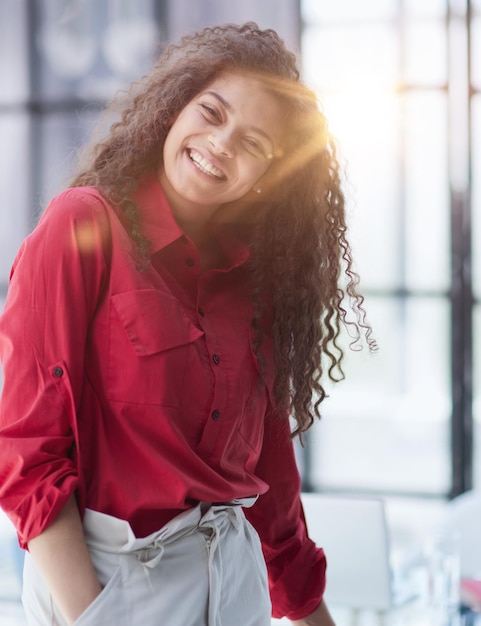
(204, 568)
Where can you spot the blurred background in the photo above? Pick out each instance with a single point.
(399, 81)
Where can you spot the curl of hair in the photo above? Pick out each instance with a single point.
(300, 249)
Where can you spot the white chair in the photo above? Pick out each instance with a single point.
(354, 534)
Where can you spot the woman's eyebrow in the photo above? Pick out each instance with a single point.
(222, 100)
(227, 105)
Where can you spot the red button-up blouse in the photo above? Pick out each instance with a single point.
(139, 389)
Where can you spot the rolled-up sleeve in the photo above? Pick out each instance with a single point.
(296, 567)
(56, 281)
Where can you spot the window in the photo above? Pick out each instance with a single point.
(59, 63)
(475, 58)
(399, 81)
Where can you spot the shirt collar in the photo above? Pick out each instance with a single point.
(159, 226)
(156, 220)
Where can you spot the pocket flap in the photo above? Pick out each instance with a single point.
(153, 321)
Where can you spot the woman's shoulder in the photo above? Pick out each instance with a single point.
(76, 203)
(80, 214)
(76, 207)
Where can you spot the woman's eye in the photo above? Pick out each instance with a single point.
(255, 145)
(210, 111)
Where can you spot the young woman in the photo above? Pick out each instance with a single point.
(169, 312)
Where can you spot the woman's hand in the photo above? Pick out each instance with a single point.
(320, 617)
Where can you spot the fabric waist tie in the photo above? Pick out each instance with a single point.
(110, 534)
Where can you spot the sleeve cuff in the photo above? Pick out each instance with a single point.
(299, 590)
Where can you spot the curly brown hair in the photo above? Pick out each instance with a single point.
(305, 287)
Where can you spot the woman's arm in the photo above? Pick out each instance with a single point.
(63, 265)
(320, 617)
(61, 555)
(295, 565)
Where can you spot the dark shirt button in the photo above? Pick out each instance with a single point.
(201, 311)
(215, 414)
(57, 371)
(216, 359)
(184, 239)
(190, 262)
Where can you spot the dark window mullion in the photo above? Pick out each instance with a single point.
(461, 293)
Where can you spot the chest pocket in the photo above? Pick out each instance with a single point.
(150, 347)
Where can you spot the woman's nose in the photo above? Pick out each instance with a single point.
(221, 141)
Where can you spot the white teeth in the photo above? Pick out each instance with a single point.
(205, 166)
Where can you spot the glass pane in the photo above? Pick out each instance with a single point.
(367, 128)
(426, 50)
(476, 195)
(477, 395)
(62, 134)
(349, 10)
(66, 46)
(354, 58)
(14, 190)
(426, 192)
(390, 417)
(92, 49)
(13, 52)
(476, 52)
(426, 8)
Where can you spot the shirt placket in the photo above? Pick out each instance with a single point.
(218, 413)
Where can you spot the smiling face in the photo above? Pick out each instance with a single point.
(220, 146)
